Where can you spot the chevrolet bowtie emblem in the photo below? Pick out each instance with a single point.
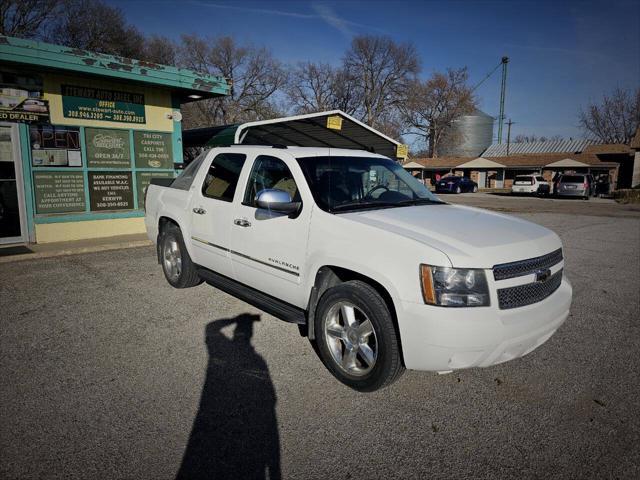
(543, 275)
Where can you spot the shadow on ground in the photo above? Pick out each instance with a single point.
(235, 433)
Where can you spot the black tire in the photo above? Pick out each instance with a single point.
(368, 305)
(186, 275)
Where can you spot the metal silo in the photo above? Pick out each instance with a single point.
(469, 136)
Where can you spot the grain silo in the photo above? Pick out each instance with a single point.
(470, 135)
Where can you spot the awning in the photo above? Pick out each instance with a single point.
(481, 163)
(413, 166)
(567, 163)
(333, 129)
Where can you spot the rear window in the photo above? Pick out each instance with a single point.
(572, 179)
(185, 179)
(524, 180)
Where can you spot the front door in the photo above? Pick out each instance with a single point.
(12, 218)
(269, 248)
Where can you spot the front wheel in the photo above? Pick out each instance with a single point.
(458, 190)
(177, 266)
(475, 189)
(356, 337)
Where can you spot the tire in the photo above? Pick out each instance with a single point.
(458, 189)
(475, 189)
(363, 361)
(177, 266)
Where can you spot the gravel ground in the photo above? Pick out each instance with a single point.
(108, 372)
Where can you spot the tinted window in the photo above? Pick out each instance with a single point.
(222, 177)
(339, 183)
(572, 179)
(540, 179)
(185, 179)
(269, 172)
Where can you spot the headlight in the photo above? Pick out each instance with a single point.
(454, 287)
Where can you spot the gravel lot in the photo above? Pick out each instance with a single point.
(108, 372)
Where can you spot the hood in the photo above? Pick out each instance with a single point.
(470, 237)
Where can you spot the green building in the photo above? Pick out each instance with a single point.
(81, 134)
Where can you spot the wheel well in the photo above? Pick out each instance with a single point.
(329, 276)
(163, 222)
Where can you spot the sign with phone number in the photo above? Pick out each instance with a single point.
(104, 105)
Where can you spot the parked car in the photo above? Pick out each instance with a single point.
(575, 185)
(530, 184)
(456, 184)
(379, 273)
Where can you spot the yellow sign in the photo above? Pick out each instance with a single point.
(402, 151)
(335, 122)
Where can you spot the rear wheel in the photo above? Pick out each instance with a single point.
(356, 338)
(177, 266)
(458, 189)
(475, 189)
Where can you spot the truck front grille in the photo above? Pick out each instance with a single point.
(521, 295)
(526, 267)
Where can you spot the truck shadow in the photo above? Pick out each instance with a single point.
(235, 432)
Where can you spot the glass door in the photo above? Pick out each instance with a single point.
(11, 195)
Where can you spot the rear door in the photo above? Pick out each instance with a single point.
(269, 248)
(212, 210)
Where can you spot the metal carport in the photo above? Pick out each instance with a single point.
(334, 129)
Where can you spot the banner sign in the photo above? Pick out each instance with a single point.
(89, 103)
(59, 192)
(22, 98)
(143, 179)
(110, 191)
(53, 146)
(107, 148)
(153, 150)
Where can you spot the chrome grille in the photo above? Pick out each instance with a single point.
(526, 267)
(521, 295)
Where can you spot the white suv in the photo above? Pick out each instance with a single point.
(530, 184)
(379, 273)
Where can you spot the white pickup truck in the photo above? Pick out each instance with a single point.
(378, 272)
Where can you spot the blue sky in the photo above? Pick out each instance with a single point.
(563, 54)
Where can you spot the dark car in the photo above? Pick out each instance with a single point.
(455, 184)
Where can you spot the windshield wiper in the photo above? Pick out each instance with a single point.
(358, 205)
(421, 201)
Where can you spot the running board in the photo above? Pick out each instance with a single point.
(271, 305)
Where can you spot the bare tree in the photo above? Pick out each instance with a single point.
(255, 75)
(315, 87)
(382, 70)
(159, 49)
(92, 25)
(26, 18)
(615, 120)
(431, 106)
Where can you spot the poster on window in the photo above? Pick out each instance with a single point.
(22, 98)
(107, 148)
(59, 192)
(110, 191)
(153, 150)
(55, 146)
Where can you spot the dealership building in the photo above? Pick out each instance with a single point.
(81, 134)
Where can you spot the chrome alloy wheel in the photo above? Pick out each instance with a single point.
(172, 259)
(351, 339)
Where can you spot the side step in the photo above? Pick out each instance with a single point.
(271, 305)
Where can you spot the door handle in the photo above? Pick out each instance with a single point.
(199, 211)
(241, 222)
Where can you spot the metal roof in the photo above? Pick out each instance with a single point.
(413, 166)
(567, 162)
(555, 146)
(320, 129)
(481, 163)
(46, 56)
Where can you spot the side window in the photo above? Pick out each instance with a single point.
(540, 179)
(269, 172)
(222, 177)
(185, 179)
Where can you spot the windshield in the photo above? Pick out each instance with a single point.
(340, 184)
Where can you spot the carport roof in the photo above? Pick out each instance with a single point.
(413, 165)
(333, 129)
(567, 162)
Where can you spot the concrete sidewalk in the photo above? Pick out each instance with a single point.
(47, 250)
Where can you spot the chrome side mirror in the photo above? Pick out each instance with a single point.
(276, 200)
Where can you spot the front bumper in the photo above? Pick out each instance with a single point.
(441, 339)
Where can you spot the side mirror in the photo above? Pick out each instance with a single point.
(276, 200)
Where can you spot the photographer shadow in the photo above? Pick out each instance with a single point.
(235, 432)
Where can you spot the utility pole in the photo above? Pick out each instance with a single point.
(505, 61)
(509, 123)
